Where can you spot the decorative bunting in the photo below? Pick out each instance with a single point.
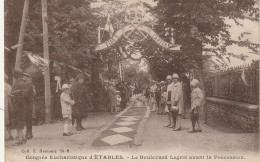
(244, 77)
(42, 63)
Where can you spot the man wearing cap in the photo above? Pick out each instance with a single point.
(22, 103)
(79, 93)
(168, 101)
(177, 101)
(29, 96)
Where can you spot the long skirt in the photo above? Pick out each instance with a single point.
(18, 119)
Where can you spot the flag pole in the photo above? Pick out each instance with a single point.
(21, 35)
(46, 56)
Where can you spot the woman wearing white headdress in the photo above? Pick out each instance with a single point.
(177, 101)
(197, 98)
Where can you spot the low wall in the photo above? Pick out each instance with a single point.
(236, 114)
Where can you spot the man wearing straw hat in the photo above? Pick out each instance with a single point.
(28, 88)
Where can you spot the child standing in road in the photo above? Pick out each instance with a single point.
(66, 103)
(196, 104)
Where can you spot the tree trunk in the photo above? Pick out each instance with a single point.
(202, 84)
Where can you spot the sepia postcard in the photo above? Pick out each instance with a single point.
(130, 80)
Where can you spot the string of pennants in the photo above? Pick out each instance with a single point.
(42, 63)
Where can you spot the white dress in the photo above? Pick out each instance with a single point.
(66, 103)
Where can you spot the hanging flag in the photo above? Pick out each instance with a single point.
(58, 83)
(40, 62)
(99, 38)
(15, 46)
(109, 26)
(244, 77)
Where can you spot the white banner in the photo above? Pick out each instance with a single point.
(149, 31)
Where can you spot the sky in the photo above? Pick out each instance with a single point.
(247, 26)
(235, 31)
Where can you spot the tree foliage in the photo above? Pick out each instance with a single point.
(71, 30)
(201, 23)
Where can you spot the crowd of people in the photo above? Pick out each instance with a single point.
(173, 98)
(74, 102)
(170, 97)
(20, 108)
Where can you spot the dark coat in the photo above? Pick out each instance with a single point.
(21, 102)
(79, 95)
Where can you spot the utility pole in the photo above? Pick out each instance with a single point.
(21, 35)
(46, 56)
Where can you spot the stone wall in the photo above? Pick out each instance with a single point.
(235, 114)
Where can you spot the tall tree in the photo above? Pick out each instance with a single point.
(199, 23)
(71, 31)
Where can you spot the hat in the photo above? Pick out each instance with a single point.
(80, 76)
(194, 83)
(175, 76)
(162, 82)
(71, 80)
(65, 86)
(169, 77)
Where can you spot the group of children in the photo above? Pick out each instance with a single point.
(166, 106)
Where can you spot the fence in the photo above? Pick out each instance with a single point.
(231, 85)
